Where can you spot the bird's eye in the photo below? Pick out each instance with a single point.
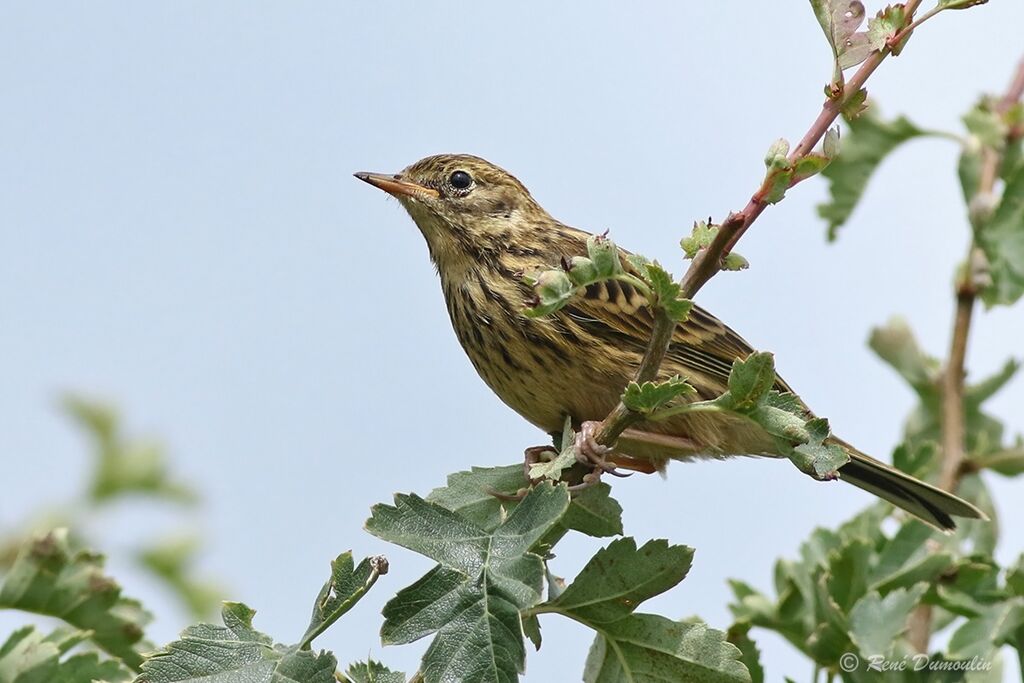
(460, 180)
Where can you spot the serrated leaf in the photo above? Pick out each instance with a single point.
(699, 238)
(819, 458)
(865, 146)
(648, 648)
(876, 622)
(347, 584)
(650, 396)
(1002, 240)
(592, 511)
(48, 578)
(620, 577)
(373, 672)
(885, 25)
(667, 292)
(29, 656)
(566, 457)
(473, 598)
(734, 262)
(234, 653)
(750, 381)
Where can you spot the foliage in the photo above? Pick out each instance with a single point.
(845, 601)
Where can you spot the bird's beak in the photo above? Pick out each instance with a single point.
(396, 186)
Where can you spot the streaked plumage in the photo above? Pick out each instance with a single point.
(485, 235)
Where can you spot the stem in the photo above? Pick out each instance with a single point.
(954, 431)
(708, 261)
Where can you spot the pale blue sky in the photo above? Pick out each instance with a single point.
(180, 232)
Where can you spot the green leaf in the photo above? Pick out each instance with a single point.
(819, 457)
(373, 672)
(553, 290)
(739, 635)
(700, 237)
(809, 165)
(987, 126)
(840, 19)
(28, 656)
(1002, 240)
(470, 493)
(234, 653)
(650, 396)
(171, 559)
(1015, 577)
(776, 182)
(750, 380)
(566, 457)
(348, 583)
(667, 292)
(982, 635)
(594, 512)
(885, 25)
(876, 622)
(1009, 463)
(48, 578)
(868, 142)
(734, 262)
(896, 345)
(473, 598)
(647, 648)
(960, 4)
(620, 577)
(123, 466)
(605, 255)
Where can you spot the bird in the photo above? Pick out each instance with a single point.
(484, 230)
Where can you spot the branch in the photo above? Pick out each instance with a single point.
(708, 262)
(954, 430)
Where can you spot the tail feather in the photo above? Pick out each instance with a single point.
(924, 501)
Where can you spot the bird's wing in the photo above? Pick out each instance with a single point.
(615, 310)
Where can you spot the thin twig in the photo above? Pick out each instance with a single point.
(954, 431)
(708, 261)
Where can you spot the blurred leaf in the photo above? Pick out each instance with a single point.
(47, 578)
(123, 466)
(347, 585)
(28, 656)
(982, 635)
(373, 672)
(876, 622)
(620, 577)
(171, 560)
(865, 146)
(645, 648)
(234, 653)
(473, 598)
(1009, 463)
(650, 396)
(977, 393)
(847, 573)
(895, 343)
(1002, 240)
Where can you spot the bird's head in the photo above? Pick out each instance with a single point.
(460, 201)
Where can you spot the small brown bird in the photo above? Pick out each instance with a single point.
(484, 230)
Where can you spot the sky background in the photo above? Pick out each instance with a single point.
(180, 233)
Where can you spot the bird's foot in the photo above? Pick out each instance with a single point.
(594, 454)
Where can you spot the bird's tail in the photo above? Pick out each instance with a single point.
(924, 501)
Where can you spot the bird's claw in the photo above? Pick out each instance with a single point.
(594, 454)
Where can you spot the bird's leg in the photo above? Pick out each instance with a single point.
(591, 453)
